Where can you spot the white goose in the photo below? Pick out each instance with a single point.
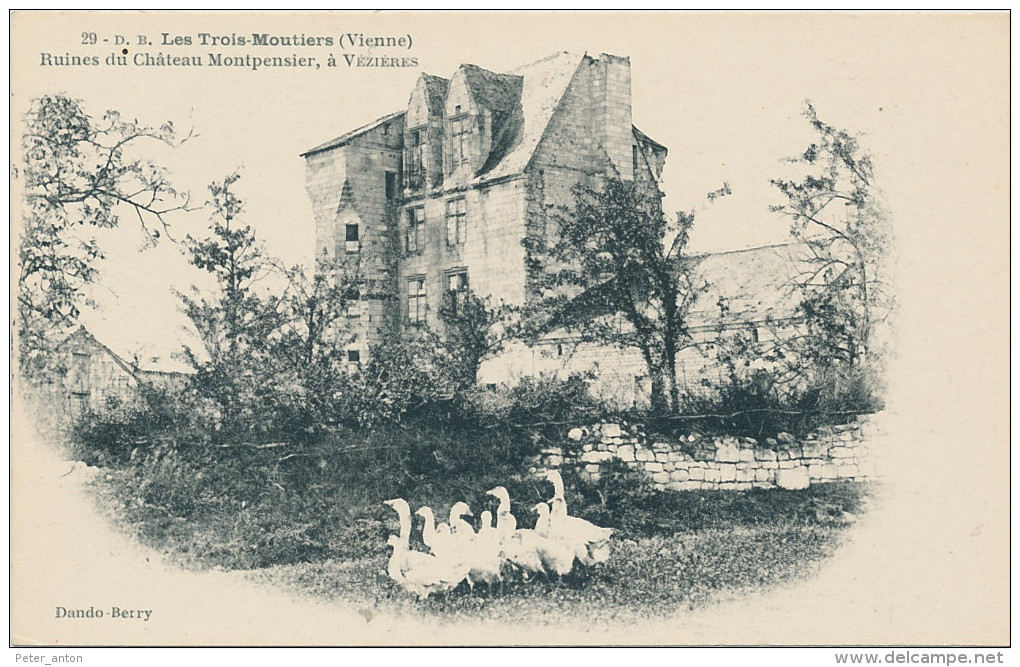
(506, 524)
(487, 533)
(557, 554)
(486, 555)
(576, 529)
(517, 546)
(437, 538)
(462, 532)
(416, 572)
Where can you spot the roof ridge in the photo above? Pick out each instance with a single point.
(731, 251)
(555, 54)
(336, 142)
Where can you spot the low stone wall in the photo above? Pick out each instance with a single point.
(702, 462)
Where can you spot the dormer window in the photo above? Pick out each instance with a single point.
(459, 129)
(415, 159)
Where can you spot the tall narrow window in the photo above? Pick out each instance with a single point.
(456, 222)
(634, 153)
(416, 300)
(457, 288)
(78, 375)
(415, 162)
(459, 131)
(391, 185)
(351, 239)
(414, 233)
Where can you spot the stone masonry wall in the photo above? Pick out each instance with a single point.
(702, 462)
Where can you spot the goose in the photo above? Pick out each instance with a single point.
(403, 511)
(419, 573)
(486, 558)
(506, 524)
(573, 528)
(416, 572)
(437, 538)
(517, 546)
(461, 530)
(486, 531)
(557, 555)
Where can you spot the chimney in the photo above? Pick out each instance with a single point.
(613, 122)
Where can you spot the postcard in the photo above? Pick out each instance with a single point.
(510, 329)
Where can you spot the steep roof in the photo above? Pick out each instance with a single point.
(499, 93)
(523, 102)
(641, 136)
(144, 347)
(756, 283)
(353, 134)
(436, 88)
(544, 83)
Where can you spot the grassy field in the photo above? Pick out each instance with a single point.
(644, 578)
(671, 550)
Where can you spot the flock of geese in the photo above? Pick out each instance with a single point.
(459, 553)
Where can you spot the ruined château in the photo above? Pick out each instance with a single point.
(437, 198)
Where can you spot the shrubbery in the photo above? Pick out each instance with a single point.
(751, 406)
(533, 400)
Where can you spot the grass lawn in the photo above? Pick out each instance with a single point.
(671, 550)
(645, 578)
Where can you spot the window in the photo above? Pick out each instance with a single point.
(559, 349)
(385, 130)
(354, 356)
(351, 239)
(457, 288)
(456, 222)
(78, 375)
(634, 150)
(391, 185)
(414, 234)
(459, 129)
(416, 300)
(415, 162)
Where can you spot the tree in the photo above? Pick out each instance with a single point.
(314, 333)
(835, 210)
(475, 329)
(617, 273)
(407, 372)
(79, 172)
(236, 321)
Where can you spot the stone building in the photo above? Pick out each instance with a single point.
(437, 198)
(450, 186)
(94, 376)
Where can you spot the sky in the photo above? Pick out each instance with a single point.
(724, 92)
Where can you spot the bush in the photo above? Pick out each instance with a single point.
(533, 400)
(159, 420)
(750, 404)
